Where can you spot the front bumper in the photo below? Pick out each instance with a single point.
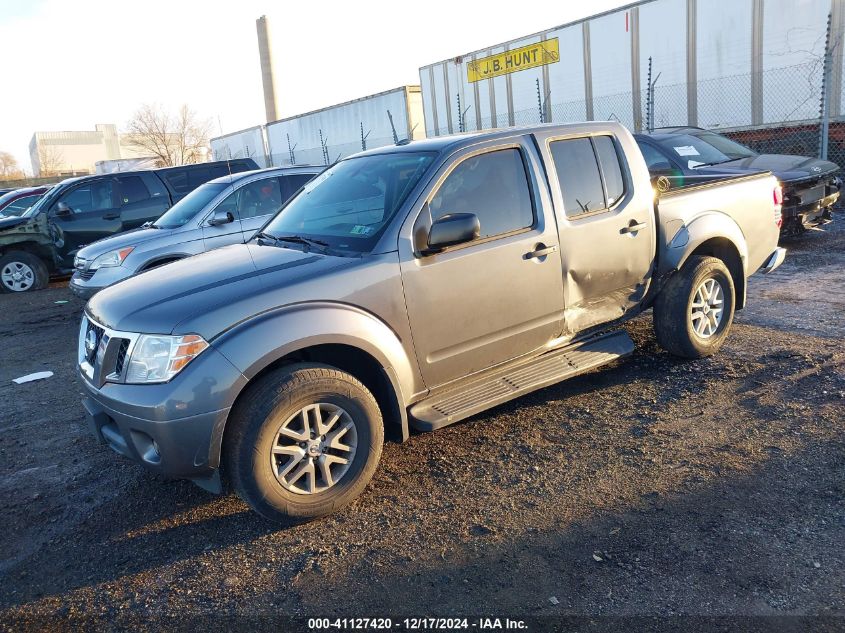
(177, 448)
(173, 428)
(85, 285)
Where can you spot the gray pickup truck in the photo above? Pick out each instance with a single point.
(412, 287)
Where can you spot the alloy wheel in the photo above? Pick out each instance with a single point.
(707, 308)
(314, 448)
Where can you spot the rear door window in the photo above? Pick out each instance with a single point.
(589, 172)
(611, 169)
(133, 189)
(493, 186)
(293, 183)
(261, 197)
(578, 175)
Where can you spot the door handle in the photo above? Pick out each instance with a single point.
(111, 216)
(633, 227)
(540, 252)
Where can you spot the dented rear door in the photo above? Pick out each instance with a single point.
(605, 212)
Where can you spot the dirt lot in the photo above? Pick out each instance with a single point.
(653, 487)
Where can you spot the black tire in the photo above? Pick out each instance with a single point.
(253, 430)
(672, 309)
(27, 262)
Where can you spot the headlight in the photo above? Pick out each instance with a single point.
(112, 258)
(158, 358)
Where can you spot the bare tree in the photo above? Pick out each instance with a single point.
(50, 160)
(174, 139)
(9, 168)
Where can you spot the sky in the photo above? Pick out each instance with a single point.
(68, 64)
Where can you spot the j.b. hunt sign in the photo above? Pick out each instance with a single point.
(531, 56)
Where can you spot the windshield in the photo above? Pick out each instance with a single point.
(46, 200)
(18, 203)
(188, 207)
(729, 148)
(349, 205)
(693, 151)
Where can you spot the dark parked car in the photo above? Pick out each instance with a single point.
(223, 211)
(44, 239)
(688, 154)
(17, 201)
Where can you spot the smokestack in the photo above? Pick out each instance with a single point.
(266, 57)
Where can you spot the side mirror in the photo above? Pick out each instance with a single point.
(452, 229)
(63, 210)
(221, 217)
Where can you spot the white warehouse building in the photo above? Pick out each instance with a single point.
(727, 64)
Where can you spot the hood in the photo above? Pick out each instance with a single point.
(121, 240)
(222, 282)
(785, 167)
(10, 222)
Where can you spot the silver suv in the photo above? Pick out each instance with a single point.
(228, 210)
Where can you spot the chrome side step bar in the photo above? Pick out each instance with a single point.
(510, 382)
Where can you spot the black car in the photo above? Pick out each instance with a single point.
(688, 155)
(44, 239)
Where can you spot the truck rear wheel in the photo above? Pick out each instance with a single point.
(21, 272)
(694, 312)
(303, 442)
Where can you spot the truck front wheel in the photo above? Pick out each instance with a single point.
(694, 312)
(303, 442)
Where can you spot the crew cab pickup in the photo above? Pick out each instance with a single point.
(411, 287)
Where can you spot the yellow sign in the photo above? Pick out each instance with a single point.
(531, 56)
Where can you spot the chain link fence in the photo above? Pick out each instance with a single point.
(787, 119)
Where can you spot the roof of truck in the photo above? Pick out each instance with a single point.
(453, 141)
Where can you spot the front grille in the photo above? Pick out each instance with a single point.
(121, 356)
(91, 351)
(103, 352)
(85, 274)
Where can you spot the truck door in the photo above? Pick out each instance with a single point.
(83, 214)
(499, 296)
(607, 232)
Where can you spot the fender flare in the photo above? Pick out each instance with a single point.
(704, 227)
(255, 344)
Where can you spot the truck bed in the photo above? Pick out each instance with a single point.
(743, 205)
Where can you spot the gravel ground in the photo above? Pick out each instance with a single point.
(653, 487)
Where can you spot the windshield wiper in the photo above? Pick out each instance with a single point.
(296, 239)
(716, 162)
